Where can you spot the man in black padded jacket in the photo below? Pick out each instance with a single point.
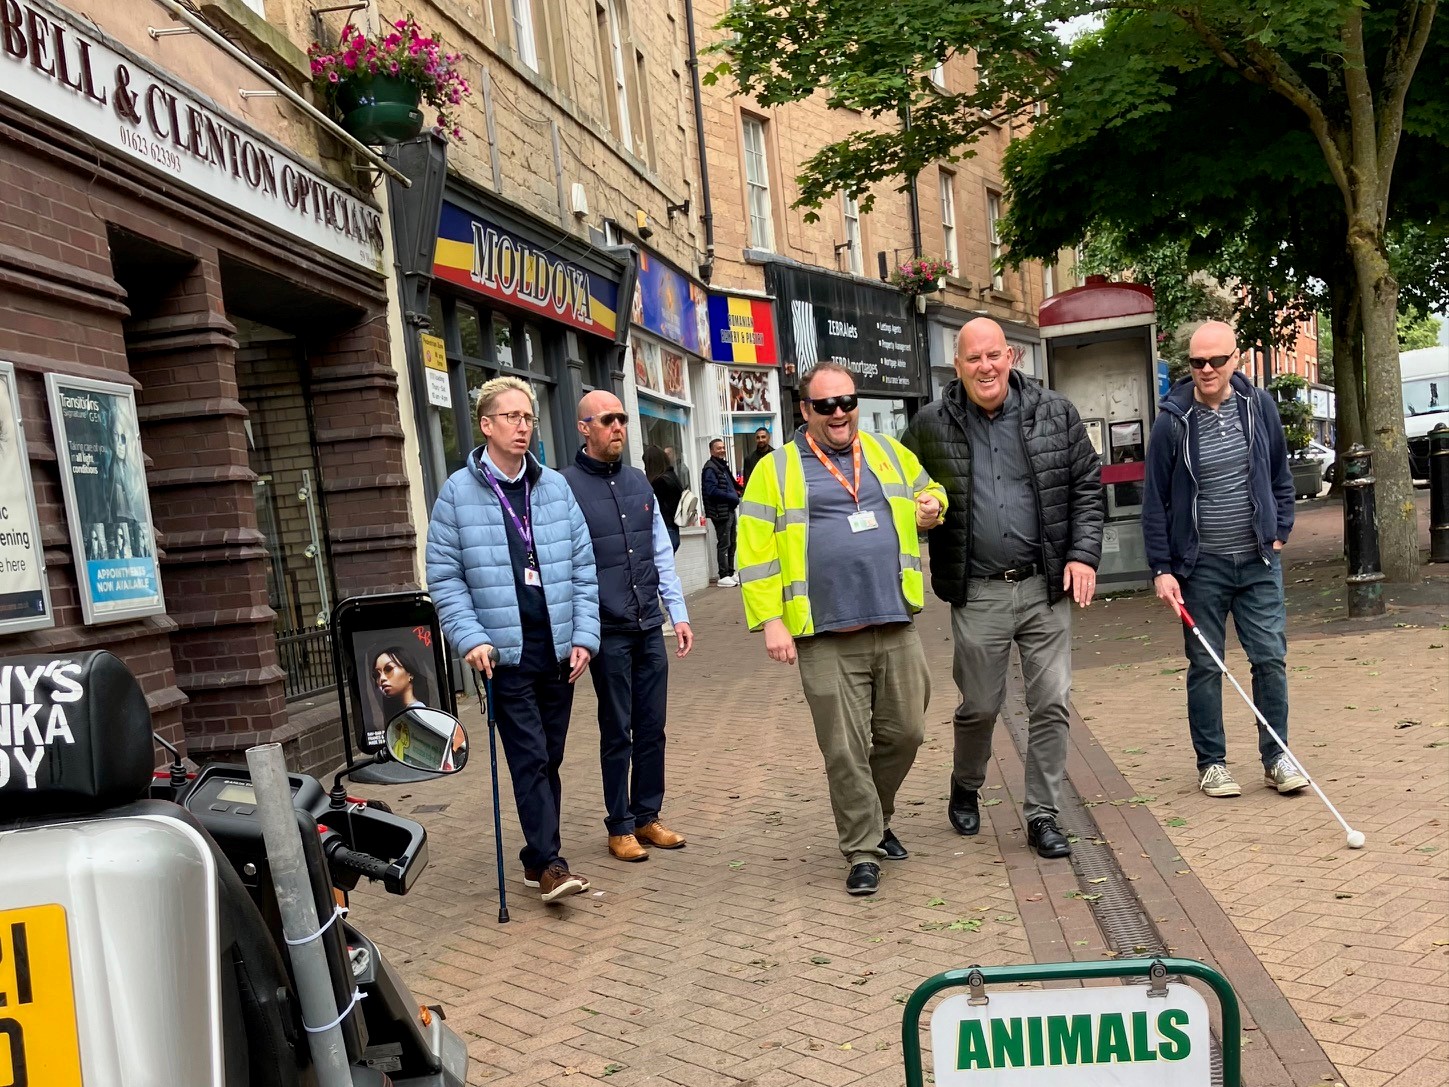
(1021, 540)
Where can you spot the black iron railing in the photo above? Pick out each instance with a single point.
(306, 657)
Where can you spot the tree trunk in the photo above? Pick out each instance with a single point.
(1383, 401)
(1347, 363)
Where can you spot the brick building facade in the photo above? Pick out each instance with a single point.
(167, 236)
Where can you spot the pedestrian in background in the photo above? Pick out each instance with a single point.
(667, 488)
(631, 670)
(762, 449)
(1217, 510)
(1020, 542)
(510, 567)
(847, 508)
(721, 494)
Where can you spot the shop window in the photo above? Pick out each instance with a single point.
(666, 427)
(502, 341)
(470, 333)
(533, 355)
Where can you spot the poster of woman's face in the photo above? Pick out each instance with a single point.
(395, 669)
(24, 592)
(103, 477)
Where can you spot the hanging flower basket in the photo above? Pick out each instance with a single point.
(378, 85)
(923, 275)
(380, 109)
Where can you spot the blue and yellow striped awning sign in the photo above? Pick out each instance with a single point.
(486, 259)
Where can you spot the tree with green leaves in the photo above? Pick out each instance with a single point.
(1417, 330)
(1340, 74)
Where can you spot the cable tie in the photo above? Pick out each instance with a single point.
(337, 911)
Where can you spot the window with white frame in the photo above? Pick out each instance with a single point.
(523, 39)
(993, 224)
(757, 185)
(1048, 280)
(948, 219)
(612, 60)
(938, 75)
(850, 212)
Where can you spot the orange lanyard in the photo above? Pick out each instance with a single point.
(854, 492)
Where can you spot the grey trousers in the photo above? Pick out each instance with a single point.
(996, 614)
(867, 691)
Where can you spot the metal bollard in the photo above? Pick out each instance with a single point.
(1439, 493)
(1361, 534)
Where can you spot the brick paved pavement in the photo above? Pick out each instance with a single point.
(739, 960)
(1358, 941)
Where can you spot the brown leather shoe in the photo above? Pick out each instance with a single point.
(626, 847)
(656, 833)
(556, 882)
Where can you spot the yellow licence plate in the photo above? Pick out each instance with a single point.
(39, 1046)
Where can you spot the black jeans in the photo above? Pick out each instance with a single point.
(631, 678)
(724, 541)
(533, 710)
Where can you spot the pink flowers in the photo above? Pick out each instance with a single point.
(401, 51)
(921, 275)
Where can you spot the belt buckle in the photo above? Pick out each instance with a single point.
(1016, 574)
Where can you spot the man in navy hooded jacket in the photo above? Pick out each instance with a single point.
(1216, 512)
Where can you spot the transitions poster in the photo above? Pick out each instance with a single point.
(24, 593)
(103, 476)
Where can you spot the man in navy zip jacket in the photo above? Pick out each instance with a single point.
(1216, 512)
(631, 670)
(511, 568)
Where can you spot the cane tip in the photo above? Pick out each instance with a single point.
(1356, 839)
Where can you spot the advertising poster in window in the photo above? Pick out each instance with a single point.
(103, 477)
(24, 592)
(396, 669)
(750, 391)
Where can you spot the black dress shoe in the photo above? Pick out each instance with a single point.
(894, 851)
(864, 879)
(965, 816)
(1043, 835)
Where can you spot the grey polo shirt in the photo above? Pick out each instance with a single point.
(855, 577)
(1005, 530)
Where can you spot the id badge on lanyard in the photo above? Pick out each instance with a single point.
(861, 520)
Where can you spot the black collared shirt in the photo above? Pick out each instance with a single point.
(1005, 530)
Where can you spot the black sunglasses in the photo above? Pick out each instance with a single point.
(1217, 362)
(826, 405)
(609, 418)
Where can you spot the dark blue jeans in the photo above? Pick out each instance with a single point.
(533, 707)
(1252, 590)
(631, 678)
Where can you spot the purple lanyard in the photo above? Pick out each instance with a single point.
(523, 525)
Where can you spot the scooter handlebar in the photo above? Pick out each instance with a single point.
(364, 863)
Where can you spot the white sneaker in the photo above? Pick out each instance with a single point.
(1216, 781)
(728, 582)
(1285, 776)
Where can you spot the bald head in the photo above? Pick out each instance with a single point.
(1213, 353)
(603, 425)
(983, 363)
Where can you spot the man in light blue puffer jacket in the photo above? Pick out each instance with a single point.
(511, 568)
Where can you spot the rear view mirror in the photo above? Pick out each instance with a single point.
(427, 739)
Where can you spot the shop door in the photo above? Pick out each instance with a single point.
(269, 366)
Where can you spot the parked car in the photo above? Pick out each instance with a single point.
(1326, 459)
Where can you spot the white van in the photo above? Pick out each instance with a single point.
(1425, 375)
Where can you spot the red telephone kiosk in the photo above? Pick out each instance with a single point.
(1100, 341)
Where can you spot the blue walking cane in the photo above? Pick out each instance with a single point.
(485, 690)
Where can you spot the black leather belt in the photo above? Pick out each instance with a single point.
(1019, 573)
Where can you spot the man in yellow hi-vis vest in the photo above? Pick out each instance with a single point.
(830, 569)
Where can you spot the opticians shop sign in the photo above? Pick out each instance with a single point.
(53, 63)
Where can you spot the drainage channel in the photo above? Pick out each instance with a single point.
(1126, 926)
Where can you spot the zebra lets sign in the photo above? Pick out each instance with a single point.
(1098, 1037)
